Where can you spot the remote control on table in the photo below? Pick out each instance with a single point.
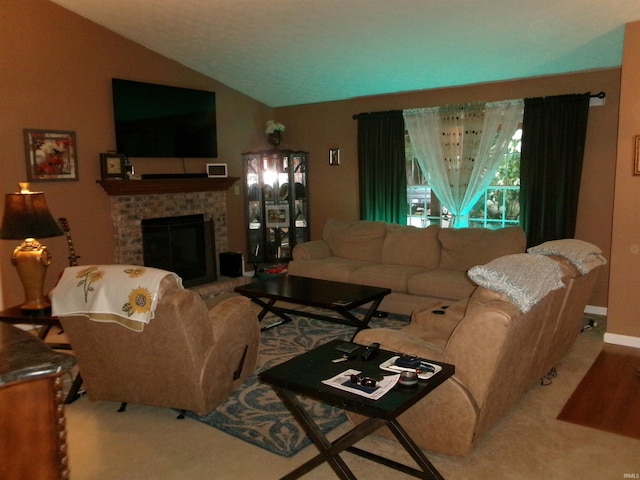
(371, 351)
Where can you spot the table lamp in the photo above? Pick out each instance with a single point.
(27, 217)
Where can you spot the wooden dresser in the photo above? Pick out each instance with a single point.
(32, 423)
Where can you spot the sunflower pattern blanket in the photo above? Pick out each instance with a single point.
(124, 294)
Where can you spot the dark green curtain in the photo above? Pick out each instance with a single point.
(553, 137)
(382, 167)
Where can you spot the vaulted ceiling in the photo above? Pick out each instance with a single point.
(290, 52)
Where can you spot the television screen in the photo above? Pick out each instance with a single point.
(162, 121)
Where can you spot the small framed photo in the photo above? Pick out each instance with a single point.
(217, 170)
(51, 155)
(636, 165)
(113, 166)
(277, 216)
(334, 156)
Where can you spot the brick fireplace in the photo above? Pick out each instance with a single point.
(128, 211)
(134, 200)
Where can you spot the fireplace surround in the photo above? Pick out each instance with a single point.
(128, 211)
(184, 245)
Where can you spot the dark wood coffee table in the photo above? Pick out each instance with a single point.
(338, 297)
(303, 375)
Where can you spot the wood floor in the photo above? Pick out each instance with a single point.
(607, 397)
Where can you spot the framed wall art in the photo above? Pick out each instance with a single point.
(636, 164)
(334, 156)
(51, 155)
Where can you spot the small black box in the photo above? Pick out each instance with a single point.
(231, 264)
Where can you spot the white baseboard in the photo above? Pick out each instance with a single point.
(613, 338)
(624, 340)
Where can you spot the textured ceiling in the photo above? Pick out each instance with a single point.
(290, 52)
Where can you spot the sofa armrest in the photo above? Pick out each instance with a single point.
(399, 341)
(313, 250)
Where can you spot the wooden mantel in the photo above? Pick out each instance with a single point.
(165, 185)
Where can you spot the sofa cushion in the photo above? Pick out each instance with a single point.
(382, 275)
(361, 240)
(441, 283)
(464, 248)
(406, 245)
(333, 268)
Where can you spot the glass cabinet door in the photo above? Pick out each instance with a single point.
(300, 199)
(277, 214)
(254, 200)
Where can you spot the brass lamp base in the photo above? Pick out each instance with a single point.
(31, 259)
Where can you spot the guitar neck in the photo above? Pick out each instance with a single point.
(73, 258)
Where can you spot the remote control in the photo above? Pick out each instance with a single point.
(371, 351)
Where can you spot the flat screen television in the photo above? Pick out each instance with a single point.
(162, 121)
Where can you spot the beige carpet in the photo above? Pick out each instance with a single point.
(529, 444)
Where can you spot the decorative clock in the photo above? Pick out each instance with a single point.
(113, 165)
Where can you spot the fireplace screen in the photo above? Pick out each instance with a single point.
(184, 245)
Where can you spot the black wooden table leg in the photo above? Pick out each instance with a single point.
(317, 437)
(74, 391)
(269, 307)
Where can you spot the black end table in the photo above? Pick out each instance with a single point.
(303, 375)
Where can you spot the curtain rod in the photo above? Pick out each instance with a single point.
(600, 94)
(373, 114)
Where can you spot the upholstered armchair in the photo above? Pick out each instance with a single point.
(187, 356)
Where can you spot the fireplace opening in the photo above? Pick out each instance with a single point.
(184, 245)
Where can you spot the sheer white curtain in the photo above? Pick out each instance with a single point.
(459, 148)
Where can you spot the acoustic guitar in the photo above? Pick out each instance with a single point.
(64, 225)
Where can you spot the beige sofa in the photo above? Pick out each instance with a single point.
(420, 266)
(500, 345)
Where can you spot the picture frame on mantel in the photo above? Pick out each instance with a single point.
(113, 166)
(636, 165)
(51, 155)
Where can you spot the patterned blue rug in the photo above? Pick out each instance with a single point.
(255, 414)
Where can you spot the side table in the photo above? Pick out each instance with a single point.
(15, 316)
(33, 437)
(303, 375)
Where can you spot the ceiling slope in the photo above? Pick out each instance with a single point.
(291, 52)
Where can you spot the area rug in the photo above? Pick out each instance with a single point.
(607, 397)
(255, 414)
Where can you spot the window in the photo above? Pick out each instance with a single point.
(497, 207)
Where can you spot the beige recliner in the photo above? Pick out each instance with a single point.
(188, 357)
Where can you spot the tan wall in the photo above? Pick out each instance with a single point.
(624, 301)
(334, 190)
(55, 73)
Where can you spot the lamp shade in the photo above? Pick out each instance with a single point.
(26, 215)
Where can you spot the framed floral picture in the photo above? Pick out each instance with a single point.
(51, 155)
